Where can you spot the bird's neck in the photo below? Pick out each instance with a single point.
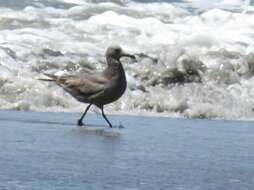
(114, 68)
(113, 61)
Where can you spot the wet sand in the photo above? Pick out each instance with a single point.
(41, 151)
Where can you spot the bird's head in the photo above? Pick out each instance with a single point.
(116, 52)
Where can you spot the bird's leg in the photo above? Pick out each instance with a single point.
(80, 123)
(104, 116)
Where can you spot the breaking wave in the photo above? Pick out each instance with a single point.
(195, 60)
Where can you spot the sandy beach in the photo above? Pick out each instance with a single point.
(41, 151)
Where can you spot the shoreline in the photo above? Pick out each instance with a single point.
(135, 115)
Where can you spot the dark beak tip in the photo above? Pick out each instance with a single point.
(130, 56)
(133, 57)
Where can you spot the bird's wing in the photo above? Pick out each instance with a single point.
(82, 85)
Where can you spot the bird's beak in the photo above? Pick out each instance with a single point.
(128, 55)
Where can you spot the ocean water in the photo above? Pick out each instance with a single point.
(196, 57)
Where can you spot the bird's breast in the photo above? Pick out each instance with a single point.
(116, 84)
(118, 87)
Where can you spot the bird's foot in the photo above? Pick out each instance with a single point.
(80, 123)
(121, 126)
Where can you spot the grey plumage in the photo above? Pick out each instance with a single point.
(97, 88)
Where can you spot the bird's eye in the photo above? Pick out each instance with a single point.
(118, 50)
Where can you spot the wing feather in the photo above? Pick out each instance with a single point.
(83, 86)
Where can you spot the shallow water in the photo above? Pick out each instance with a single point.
(47, 151)
(209, 42)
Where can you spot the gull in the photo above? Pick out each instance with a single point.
(96, 88)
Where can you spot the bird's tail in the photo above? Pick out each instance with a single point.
(51, 78)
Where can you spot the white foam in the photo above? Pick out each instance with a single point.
(224, 4)
(218, 38)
